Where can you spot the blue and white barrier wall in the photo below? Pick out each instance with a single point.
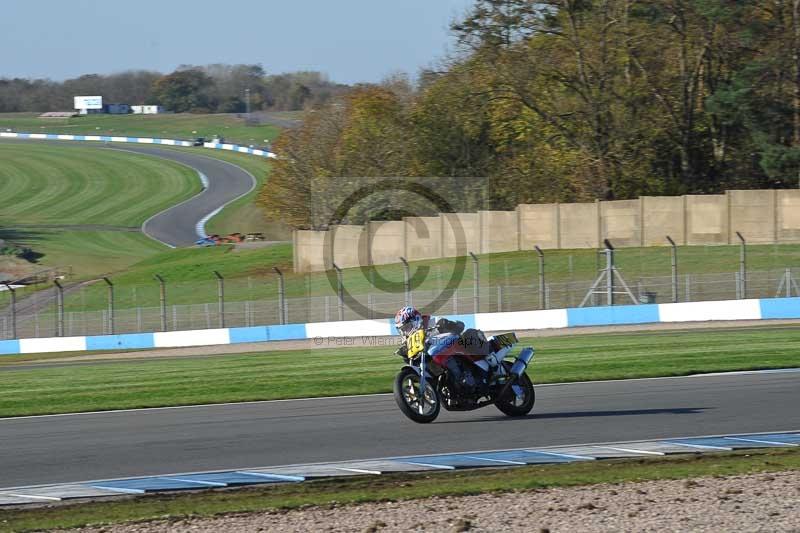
(775, 308)
(138, 140)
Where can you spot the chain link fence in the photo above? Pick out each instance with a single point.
(249, 303)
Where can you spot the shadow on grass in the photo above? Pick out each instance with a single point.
(18, 241)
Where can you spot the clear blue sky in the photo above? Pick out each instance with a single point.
(350, 40)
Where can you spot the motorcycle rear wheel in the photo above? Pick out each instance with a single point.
(422, 410)
(511, 404)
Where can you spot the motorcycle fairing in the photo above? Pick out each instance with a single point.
(442, 347)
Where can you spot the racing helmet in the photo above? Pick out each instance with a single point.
(407, 320)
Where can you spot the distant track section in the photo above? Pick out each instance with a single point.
(184, 223)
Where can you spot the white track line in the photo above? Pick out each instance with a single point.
(632, 450)
(404, 459)
(763, 441)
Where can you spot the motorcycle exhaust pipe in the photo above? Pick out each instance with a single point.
(519, 366)
(522, 362)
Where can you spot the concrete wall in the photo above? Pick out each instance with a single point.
(460, 234)
(788, 216)
(387, 241)
(309, 251)
(761, 216)
(752, 213)
(707, 219)
(538, 225)
(423, 237)
(349, 246)
(663, 215)
(579, 225)
(499, 231)
(621, 222)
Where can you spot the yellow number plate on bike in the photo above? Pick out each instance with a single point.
(415, 343)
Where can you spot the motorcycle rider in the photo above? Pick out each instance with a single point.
(408, 320)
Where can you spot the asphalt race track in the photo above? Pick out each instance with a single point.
(54, 449)
(226, 182)
(177, 225)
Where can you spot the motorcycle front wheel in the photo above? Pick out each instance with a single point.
(421, 409)
(512, 404)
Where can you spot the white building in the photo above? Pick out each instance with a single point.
(87, 105)
(147, 109)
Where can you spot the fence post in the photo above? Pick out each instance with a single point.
(281, 296)
(609, 272)
(688, 286)
(476, 284)
(406, 280)
(542, 298)
(742, 265)
(221, 298)
(13, 293)
(339, 291)
(59, 309)
(674, 267)
(110, 305)
(163, 301)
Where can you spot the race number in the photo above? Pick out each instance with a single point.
(415, 343)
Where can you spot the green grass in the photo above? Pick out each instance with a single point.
(47, 184)
(169, 126)
(67, 202)
(278, 375)
(89, 253)
(250, 277)
(398, 487)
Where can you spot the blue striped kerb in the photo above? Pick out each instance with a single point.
(623, 314)
(780, 308)
(268, 333)
(9, 347)
(114, 342)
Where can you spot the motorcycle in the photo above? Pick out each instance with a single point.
(485, 377)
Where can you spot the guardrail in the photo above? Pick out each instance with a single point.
(137, 140)
(773, 308)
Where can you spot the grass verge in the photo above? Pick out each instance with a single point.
(280, 375)
(393, 487)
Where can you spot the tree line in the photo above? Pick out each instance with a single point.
(216, 88)
(573, 100)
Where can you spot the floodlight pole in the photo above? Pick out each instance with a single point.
(221, 298)
(162, 301)
(674, 267)
(281, 296)
(742, 265)
(110, 305)
(59, 309)
(609, 272)
(406, 280)
(542, 299)
(340, 290)
(476, 283)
